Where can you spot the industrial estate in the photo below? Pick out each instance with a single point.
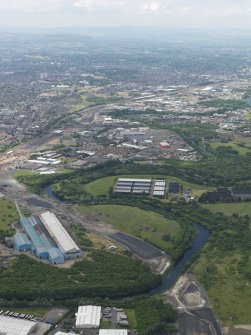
(87, 320)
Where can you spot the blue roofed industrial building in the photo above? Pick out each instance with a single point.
(21, 242)
(38, 246)
(46, 243)
(56, 256)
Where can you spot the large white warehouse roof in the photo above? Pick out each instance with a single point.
(113, 332)
(62, 333)
(58, 233)
(13, 326)
(88, 316)
(135, 180)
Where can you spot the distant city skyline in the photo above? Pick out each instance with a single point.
(163, 13)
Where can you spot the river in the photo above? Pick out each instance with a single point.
(170, 277)
(47, 190)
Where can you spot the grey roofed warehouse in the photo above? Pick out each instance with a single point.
(60, 235)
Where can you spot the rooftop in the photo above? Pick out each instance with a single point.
(58, 232)
(135, 180)
(13, 326)
(113, 332)
(88, 316)
(21, 238)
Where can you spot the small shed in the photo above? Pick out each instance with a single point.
(21, 242)
(41, 252)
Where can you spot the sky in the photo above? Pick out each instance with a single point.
(128, 13)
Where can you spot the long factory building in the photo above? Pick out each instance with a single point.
(133, 186)
(13, 326)
(47, 238)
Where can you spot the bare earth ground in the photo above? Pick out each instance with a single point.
(241, 330)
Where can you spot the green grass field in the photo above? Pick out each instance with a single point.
(24, 173)
(102, 186)
(236, 144)
(143, 224)
(247, 116)
(83, 105)
(229, 291)
(8, 215)
(131, 318)
(27, 173)
(240, 208)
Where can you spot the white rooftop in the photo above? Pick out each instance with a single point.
(136, 180)
(62, 333)
(113, 332)
(88, 316)
(13, 326)
(58, 232)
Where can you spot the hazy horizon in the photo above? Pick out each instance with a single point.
(193, 14)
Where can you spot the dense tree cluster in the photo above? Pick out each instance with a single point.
(102, 274)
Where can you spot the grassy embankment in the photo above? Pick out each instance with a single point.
(9, 215)
(132, 318)
(235, 145)
(147, 225)
(241, 144)
(240, 208)
(28, 173)
(24, 173)
(91, 101)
